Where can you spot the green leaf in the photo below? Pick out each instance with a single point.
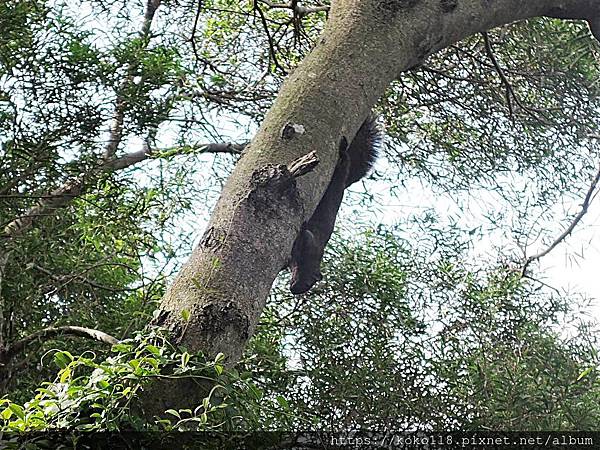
(65, 375)
(585, 373)
(135, 363)
(152, 361)
(185, 358)
(62, 359)
(185, 314)
(173, 413)
(121, 348)
(153, 349)
(6, 413)
(283, 402)
(18, 410)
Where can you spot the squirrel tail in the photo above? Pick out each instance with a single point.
(363, 149)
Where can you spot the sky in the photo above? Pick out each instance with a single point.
(572, 267)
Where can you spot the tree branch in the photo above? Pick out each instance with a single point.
(64, 280)
(510, 91)
(584, 209)
(115, 134)
(19, 346)
(296, 8)
(74, 188)
(272, 50)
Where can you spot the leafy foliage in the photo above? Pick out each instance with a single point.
(398, 339)
(90, 394)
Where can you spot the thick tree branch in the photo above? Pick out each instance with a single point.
(151, 7)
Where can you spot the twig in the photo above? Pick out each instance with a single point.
(294, 6)
(272, 50)
(510, 91)
(584, 209)
(195, 28)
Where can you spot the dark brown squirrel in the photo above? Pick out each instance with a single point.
(354, 163)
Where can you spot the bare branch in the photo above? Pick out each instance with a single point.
(584, 209)
(294, 6)
(510, 91)
(19, 346)
(195, 28)
(272, 50)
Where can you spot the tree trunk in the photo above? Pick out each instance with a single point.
(216, 300)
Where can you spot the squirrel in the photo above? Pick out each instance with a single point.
(354, 163)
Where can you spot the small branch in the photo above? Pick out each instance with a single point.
(218, 147)
(115, 134)
(510, 91)
(19, 346)
(304, 164)
(64, 280)
(4, 257)
(195, 29)
(296, 8)
(272, 50)
(584, 209)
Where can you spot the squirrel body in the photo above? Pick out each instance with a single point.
(354, 163)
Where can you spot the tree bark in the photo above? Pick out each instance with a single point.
(366, 44)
